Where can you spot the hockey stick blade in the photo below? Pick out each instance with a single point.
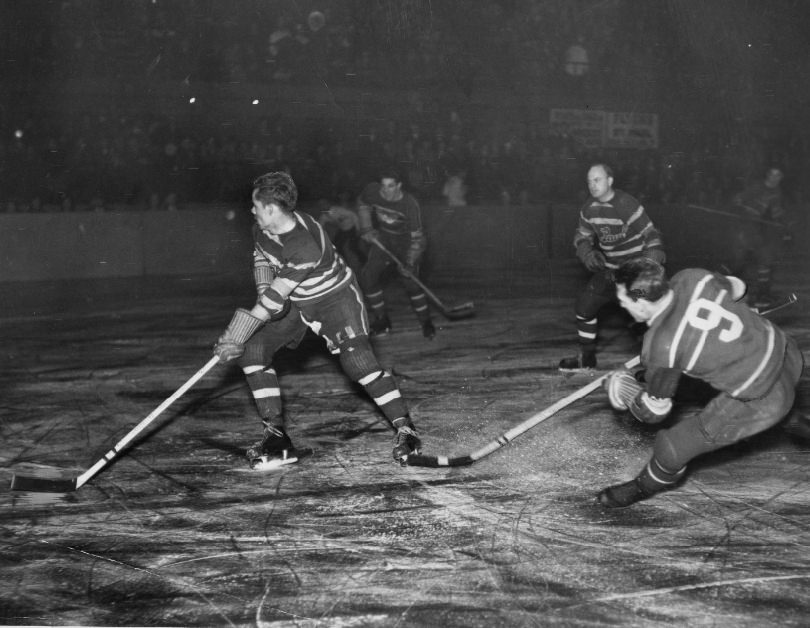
(46, 481)
(465, 310)
(34, 484)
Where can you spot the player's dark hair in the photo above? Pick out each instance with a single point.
(600, 164)
(277, 188)
(643, 278)
(389, 172)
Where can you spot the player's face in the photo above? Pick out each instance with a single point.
(262, 213)
(390, 189)
(600, 184)
(637, 309)
(773, 178)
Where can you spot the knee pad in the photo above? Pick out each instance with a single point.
(357, 358)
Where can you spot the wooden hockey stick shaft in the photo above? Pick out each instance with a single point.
(445, 310)
(792, 298)
(48, 483)
(418, 460)
(84, 477)
(720, 212)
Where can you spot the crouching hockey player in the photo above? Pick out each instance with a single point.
(302, 283)
(698, 327)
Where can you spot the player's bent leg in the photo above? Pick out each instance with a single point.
(360, 364)
(586, 356)
(275, 447)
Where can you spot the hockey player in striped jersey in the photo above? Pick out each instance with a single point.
(392, 216)
(698, 327)
(613, 227)
(302, 283)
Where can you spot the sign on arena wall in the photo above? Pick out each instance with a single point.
(586, 126)
(631, 130)
(606, 129)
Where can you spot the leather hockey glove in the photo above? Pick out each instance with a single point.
(414, 254)
(656, 255)
(626, 393)
(369, 235)
(622, 388)
(231, 344)
(594, 260)
(650, 409)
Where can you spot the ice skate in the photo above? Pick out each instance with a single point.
(273, 451)
(622, 495)
(406, 442)
(584, 361)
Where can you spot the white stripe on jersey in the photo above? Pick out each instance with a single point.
(676, 340)
(702, 342)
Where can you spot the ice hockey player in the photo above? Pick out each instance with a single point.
(613, 227)
(698, 326)
(759, 235)
(392, 216)
(302, 283)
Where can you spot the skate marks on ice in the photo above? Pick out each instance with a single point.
(178, 531)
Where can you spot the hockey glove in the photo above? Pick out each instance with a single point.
(231, 344)
(626, 393)
(656, 255)
(414, 253)
(622, 388)
(594, 260)
(369, 235)
(650, 409)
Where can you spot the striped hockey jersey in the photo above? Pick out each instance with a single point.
(301, 265)
(705, 334)
(619, 227)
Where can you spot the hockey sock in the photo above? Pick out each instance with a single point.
(586, 332)
(266, 392)
(376, 302)
(420, 306)
(384, 391)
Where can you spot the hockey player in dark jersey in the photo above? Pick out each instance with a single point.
(613, 227)
(302, 283)
(393, 217)
(698, 327)
(757, 238)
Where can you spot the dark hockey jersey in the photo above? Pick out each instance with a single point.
(395, 217)
(704, 333)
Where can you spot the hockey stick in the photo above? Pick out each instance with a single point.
(721, 212)
(465, 310)
(791, 299)
(418, 460)
(42, 484)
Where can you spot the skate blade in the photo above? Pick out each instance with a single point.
(581, 370)
(269, 464)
